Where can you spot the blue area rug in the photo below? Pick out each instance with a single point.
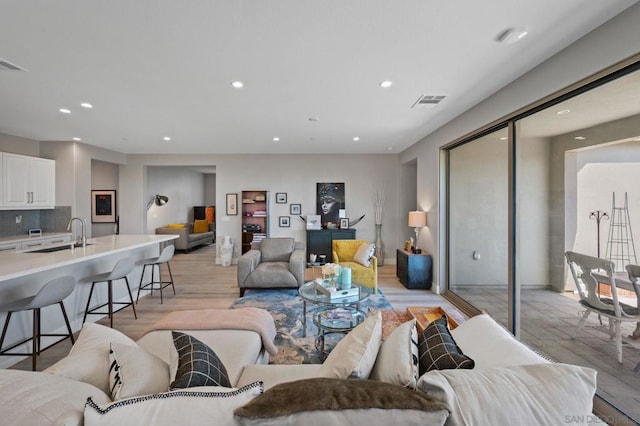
(286, 308)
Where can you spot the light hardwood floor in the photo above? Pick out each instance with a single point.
(200, 283)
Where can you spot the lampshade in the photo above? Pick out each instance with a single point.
(158, 200)
(417, 219)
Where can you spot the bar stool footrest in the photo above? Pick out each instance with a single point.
(6, 352)
(93, 311)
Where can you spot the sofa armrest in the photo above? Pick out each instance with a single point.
(334, 257)
(246, 265)
(181, 243)
(297, 264)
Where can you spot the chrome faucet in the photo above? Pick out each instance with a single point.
(82, 240)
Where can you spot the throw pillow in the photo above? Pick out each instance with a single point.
(397, 360)
(133, 372)
(195, 406)
(88, 360)
(176, 225)
(536, 394)
(200, 226)
(33, 398)
(323, 401)
(354, 356)
(198, 364)
(364, 253)
(438, 350)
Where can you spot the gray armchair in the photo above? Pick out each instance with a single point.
(272, 263)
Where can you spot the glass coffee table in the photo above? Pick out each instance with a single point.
(339, 315)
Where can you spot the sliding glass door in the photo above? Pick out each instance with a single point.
(566, 180)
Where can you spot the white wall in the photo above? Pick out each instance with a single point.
(295, 175)
(104, 176)
(73, 174)
(615, 41)
(185, 189)
(18, 145)
(479, 212)
(597, 180)
(210, 189)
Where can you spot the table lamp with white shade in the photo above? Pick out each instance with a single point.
(417, 220)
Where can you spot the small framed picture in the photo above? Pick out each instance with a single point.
(232, 204)
(344, 223)
(103, 206)
(281, 197)
(285, 221)
(295, 208)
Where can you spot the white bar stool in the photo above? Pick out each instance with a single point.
(120, 271)
(54, 291)
(165, 256)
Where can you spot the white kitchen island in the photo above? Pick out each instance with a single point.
(23, 273)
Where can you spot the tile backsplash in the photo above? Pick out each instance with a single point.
(49, 220)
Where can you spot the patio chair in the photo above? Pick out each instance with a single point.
(634, 277)
(583, 268)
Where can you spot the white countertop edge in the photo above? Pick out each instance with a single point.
(40, 262)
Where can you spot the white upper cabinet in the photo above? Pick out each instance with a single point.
(27, 182)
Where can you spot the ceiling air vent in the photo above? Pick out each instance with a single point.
(428, 101)
(8, 66)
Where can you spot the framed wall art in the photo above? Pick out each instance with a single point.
(232, 204)
(103, 206)
(285, 221)
(281, 197)
(330, 202)
(295, 208)
(344, 223)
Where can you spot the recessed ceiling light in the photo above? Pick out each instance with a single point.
(386, 83)
(86, 105)
(563, 111)
(237, 84)
(504, 138)
(580, 138)
(390, 148)
(77, 139)
(356, 139)
(276, 139)
(65, 111)
(511, 35)
(167, 138)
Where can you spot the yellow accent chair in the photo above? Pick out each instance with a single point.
(343, 254)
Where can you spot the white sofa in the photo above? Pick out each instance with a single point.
(509, 381)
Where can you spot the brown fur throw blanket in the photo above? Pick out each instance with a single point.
(321, 394)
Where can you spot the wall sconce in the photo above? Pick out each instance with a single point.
(158, 200)
(417, 220)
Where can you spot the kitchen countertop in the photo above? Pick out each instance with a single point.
(17, 264)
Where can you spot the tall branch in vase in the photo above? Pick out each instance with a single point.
(378, 204)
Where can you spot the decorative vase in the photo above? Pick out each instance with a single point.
(226, 250)
(379, 245)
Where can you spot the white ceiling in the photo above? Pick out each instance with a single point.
(155, 68)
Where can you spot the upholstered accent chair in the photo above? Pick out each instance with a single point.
(345, 254)
(272, 263)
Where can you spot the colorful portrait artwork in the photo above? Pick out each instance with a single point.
(330, 202)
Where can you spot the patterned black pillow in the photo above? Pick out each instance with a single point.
(198, 364)
(438, 350)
